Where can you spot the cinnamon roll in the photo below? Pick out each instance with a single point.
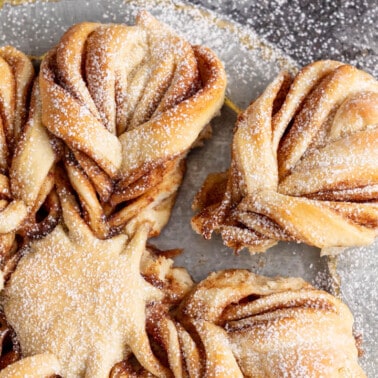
(304, 165)
(128, 102)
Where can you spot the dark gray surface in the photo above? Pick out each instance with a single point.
(309, 30)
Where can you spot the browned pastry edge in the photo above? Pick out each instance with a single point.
(304, 165)
(127, 127)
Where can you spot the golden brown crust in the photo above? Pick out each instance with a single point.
(304, 164)
(128, 102)
(42, 365)
(94, 296)
(26, 159)
(233, 322)
(84, 306)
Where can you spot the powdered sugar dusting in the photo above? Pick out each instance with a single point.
(358, 271)
(311, 30)
(196, 24)
(251, 64)
(68, 297)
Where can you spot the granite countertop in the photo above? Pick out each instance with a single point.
(309, 30)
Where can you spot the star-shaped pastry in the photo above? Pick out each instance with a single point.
(82, 299)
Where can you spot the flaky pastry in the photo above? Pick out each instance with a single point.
(100, 318)
(26, 158)
(85, 307)
(111, 117)
(237, 324)
(256, 326)
(304, 165)
(84, 300)
(128, 102)
(16, 75)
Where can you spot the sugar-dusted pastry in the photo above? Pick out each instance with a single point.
(32, 173)
(43, 365)
(84, 307)
(237, 324)
(84, 300)
(26, 157)
(128, 102)
(16, 75)
(256, 326)
(304, 165)
(110, 308)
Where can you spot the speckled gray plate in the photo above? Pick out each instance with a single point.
(250, 63)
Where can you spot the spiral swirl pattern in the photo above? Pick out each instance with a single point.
(304, 165)
(128, 102)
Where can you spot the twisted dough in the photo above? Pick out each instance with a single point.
(26, 158)
(108, 300)
(238, 324)
(128, 102)
(100, 309)
(116, 308)
(93, 309)
(16, 75)
(304, 165)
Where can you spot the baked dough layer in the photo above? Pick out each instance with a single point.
(115, 307)
(86, 303)
(83, 299)
(233, 323)
(26, 159)
(128, 102)
(304, 165)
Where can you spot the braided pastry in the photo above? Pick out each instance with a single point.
(128, 102)
(304, 165)
(120, 106)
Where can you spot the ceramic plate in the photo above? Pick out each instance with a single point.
(251, 63)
